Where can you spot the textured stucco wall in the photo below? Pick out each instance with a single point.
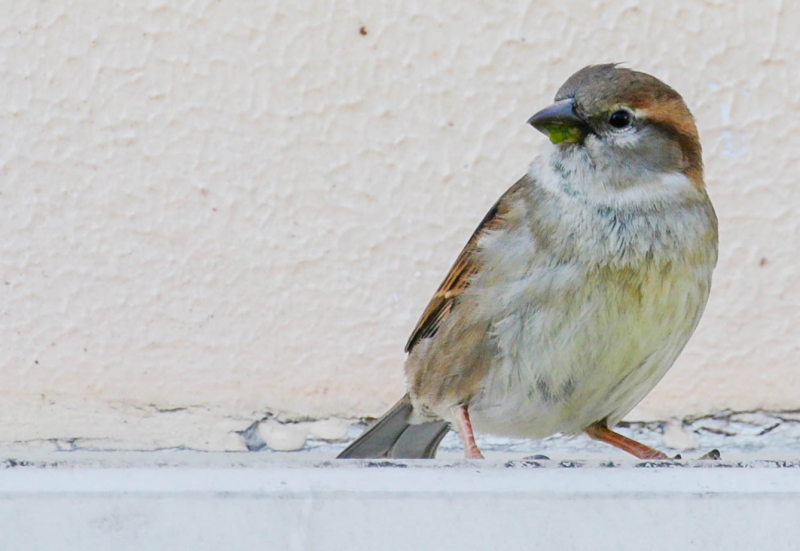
(213, 211)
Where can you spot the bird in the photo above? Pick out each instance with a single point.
(579, 288)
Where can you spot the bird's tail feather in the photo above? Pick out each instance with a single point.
(392, 436)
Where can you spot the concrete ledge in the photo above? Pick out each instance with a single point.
(302, 505)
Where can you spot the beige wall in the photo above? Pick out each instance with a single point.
(215, 211)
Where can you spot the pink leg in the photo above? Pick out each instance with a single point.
(599, 431)
(464, 426)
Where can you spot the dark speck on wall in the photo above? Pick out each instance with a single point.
(363, 30)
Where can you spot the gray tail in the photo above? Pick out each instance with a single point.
(392, 436)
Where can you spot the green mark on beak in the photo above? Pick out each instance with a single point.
(559, 134)
(560, 123)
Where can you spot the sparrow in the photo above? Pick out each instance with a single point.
(580, 287)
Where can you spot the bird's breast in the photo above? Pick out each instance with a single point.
(589, 349)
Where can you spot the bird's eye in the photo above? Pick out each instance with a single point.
(620, 119)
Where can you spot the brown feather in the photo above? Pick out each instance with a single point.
(459, 276)
(675, 116)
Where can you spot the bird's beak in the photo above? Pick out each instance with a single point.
(560, 123)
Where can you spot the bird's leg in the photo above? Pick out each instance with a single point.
(600, 431)
(464, 427)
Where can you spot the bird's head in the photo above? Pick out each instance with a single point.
(623, 120)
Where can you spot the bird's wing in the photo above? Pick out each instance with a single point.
(459, 276)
